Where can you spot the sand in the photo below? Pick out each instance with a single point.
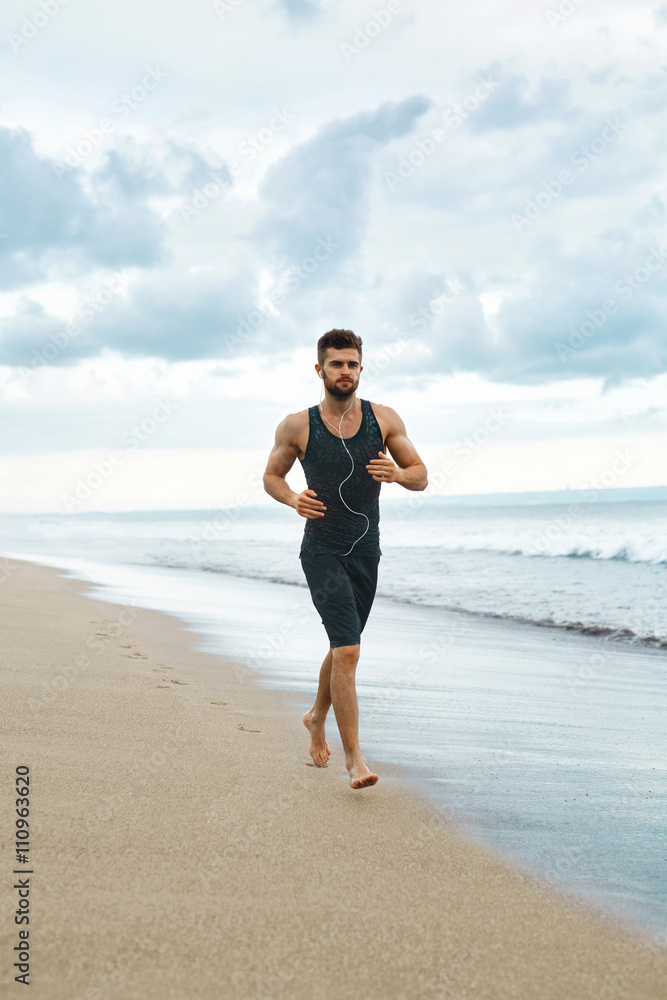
(185, 846)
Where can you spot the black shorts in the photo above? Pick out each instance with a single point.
(343, 590)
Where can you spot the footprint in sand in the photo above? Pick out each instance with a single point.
(172, 681)
(219, 702)
(246, 730)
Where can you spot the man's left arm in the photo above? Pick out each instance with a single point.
(409, 472)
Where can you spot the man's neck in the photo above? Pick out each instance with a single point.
(334, 407)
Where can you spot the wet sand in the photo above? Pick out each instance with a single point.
(185, 846)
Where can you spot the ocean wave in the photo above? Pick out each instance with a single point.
(272, 575)
(613, 633)
(655, 635)
(635, 549)
(616, 633)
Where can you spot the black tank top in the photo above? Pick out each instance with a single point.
(326, 464)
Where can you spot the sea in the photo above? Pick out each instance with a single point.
(514, 665)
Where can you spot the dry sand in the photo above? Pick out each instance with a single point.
(185, 846)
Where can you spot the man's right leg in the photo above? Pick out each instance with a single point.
(315, 719)
(346, 709)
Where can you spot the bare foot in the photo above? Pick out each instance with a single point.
(319, 748)
(360, 775)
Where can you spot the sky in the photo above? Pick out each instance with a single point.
(192, 194)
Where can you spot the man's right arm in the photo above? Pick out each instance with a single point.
(283, 455)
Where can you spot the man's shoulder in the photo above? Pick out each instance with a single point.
(294, 423)
(388, 419)
(297, 418)
(386, 413)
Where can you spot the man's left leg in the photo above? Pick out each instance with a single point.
(343, 591)
(334, 599)
(346, 707)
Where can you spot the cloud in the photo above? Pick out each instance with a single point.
(393, 250)
(582, 314)
(652, 214)
(30, 327)
(509, 108)
(48, 219)
(321, 188)
(170, 314)
(300, 10)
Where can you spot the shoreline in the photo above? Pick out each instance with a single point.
(527, 784)
(182, 849)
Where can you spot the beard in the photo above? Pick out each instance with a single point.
(339, 391)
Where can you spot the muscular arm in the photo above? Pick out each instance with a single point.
(409, 471)
(283, 455)
(282, 458)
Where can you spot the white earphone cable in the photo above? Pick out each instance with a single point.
(360, 513)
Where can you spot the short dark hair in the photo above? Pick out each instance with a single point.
(337, 339)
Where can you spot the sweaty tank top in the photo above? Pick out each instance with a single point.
(326, 464)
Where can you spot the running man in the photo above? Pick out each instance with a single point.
(340, 550)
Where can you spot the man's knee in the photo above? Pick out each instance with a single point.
(346, 656)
